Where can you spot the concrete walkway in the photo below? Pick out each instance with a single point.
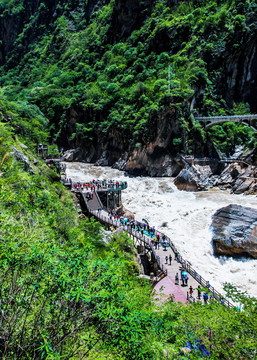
(168, 286)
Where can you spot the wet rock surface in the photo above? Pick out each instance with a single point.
(235, 231)
(237, 177)
(194, 178)
(189, 180)
(70, 155)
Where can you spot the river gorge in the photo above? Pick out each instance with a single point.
(185, 217)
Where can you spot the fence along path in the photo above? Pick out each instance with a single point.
(177, 266)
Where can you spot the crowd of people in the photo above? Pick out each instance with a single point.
(157, 239)
(94, 185)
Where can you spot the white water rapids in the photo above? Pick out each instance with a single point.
(187, 218)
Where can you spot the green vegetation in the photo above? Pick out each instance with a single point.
(76, 66)
(66, 294)
(72, 77)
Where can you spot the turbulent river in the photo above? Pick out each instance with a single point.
(185, 217)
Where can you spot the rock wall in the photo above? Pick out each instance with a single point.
(128, 15)
(241, 75)
(157, 157)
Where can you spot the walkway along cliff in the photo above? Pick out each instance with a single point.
(165, 256)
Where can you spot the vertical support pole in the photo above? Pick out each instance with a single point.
(169, 79)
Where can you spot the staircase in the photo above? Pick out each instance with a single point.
(93, 204)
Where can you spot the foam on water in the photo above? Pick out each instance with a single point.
(185, 217)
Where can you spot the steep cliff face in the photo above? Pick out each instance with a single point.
(238, 77)
(128, 15)
(241, 74)
(157, 157)
(29, 18)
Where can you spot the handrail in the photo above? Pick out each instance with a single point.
(205, 283)
(225, 117)
(123, 186)
(185, 264)
(98, 198)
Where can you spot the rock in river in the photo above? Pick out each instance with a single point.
(235, 231)
(189, 180)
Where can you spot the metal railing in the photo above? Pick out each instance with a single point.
(147, 240)
(226, 118)
(113, 187)
(121, 185)
(187, 266)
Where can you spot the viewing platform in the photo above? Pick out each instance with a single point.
(104, 193)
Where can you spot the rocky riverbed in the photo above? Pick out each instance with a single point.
(237, 177)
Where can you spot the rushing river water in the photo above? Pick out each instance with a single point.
(185, 217)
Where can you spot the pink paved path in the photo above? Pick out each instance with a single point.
(168, 283)
(166, 288)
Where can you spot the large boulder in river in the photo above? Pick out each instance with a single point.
(190, 180)
(235, 231)
(187, 181)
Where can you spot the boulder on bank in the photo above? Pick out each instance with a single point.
(187, 181)
(239, 177)
(235, 231)
(70, 155)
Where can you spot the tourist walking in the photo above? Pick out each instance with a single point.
(190, 291)
(183, 280)
(166, 258)
(186, 279)
(205, 297)
(170, 258)
(176, 255)
(176, 279)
